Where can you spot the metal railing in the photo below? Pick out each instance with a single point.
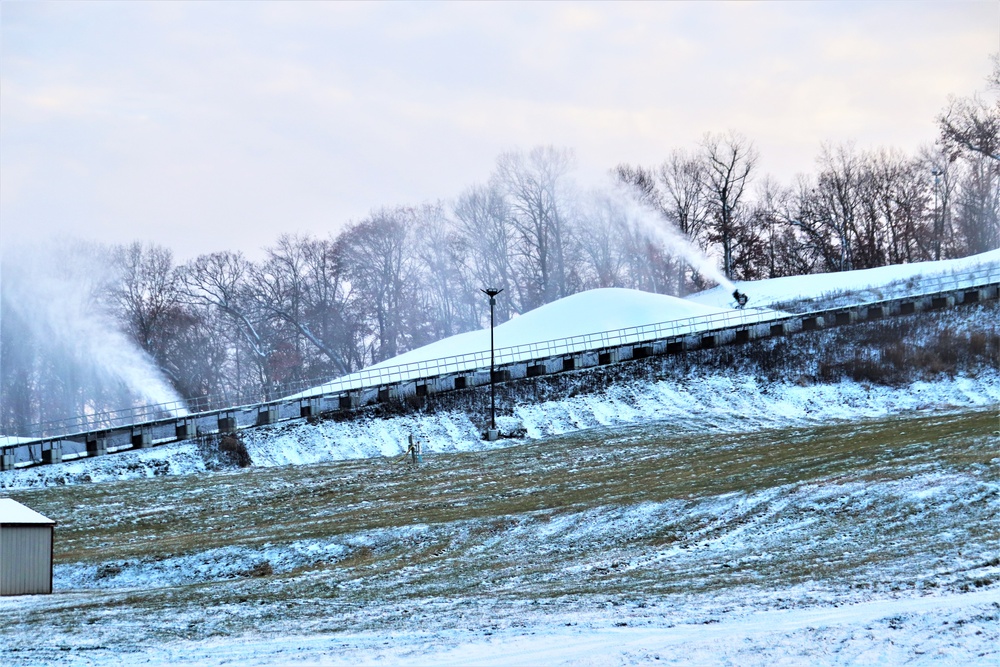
(108, 419)
(379, 376)
(479, 361)
(475, 361)
(915, 287)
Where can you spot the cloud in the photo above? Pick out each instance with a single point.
(220, 125)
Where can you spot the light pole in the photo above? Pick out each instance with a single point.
(492, 433)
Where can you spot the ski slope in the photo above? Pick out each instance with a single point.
(610, 309)
(589, 312)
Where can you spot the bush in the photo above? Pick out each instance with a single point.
(261, 569)
(235, 449)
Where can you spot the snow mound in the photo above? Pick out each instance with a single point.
(593, 311)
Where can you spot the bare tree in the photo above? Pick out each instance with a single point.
(900, 187)
(436, 247)
(221, 280)
(381, 270)
(486, 239)
(805, 213)
(838, 200)
(643, 183)
(970, 129)
(978, 205)
(942, 183)
(684, 200)
(533, 184)
(287, 286)
(675, 189)
(149, 306)
(330, 312)
(650, 266)
(782, 249)
(145, 292)
(604, 223)
(730, 160)
(972, 124)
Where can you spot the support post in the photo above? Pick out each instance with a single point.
(492, 433)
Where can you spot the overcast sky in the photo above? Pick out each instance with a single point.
(220, 125)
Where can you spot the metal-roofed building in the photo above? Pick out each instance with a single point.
(25, 550)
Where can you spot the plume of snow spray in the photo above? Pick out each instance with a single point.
(54, 290)
(675, 242)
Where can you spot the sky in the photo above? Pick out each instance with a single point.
(222, 125)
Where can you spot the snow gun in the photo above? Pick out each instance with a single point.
(741, 299)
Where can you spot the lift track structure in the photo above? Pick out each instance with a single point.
(94, 436)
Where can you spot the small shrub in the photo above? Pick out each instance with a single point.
(978, 343)
(866, 370)
(358, 557)
(108, 570)
(234, 447)
(893, 355)
(261, 569)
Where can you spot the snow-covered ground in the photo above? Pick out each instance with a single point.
(714, 401)
(958, 629)
(865, 542)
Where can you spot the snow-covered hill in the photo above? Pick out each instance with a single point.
(591, 312)
(583, 313)
(610, 309)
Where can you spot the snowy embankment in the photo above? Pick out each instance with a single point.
(701, 401)
(713, 402)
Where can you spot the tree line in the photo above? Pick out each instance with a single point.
(404, 276)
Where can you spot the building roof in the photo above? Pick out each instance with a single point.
(13, 512)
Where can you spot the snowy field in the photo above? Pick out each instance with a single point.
(704, 517)
(870, 541)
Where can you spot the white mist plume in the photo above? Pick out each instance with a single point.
(53, 290)
(675, 242)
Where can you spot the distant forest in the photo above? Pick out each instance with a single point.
(404, 276)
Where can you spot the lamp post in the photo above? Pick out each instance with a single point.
(492, 433)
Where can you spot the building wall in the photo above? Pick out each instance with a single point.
(25, 559)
